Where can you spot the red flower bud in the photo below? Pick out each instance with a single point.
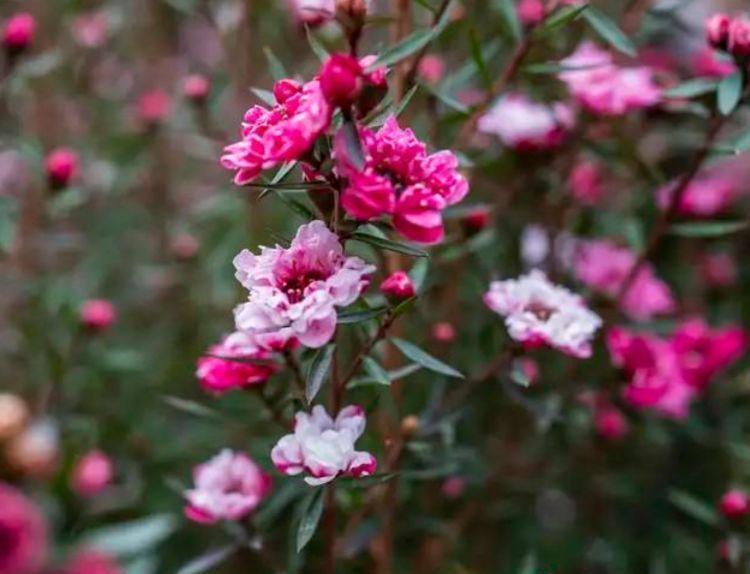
(398, 285)
(476, 219)
(341, 80)
(61, 166)
(18, 32)
(739, 37)
(735, 504)
(717, 31)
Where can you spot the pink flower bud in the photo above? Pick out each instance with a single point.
(98, 314)
(153, 107)
(735, 504)
(585, 183)
(18, 32)
(610, 423)
(443, 332)
(476, 219)
(530, 12)
(184, 246)
(196, 88)
(431, 69)
(398, 285)
(61, 166)
(739, 37)
(718, 269)
(453, 487)
(91, 561)
(717, 31)
(92, 474)
(341, 80)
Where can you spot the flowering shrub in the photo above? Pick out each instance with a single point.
(374, 286)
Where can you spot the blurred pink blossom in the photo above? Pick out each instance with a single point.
(227, 487)
(92, 474)
(398, 285)
(525, 125)
(705, 196)
(739, 37)
(443, 332)
(312, 12)
(91, 561)
(610, 423)
(23, 533)
(218, 375)
(431, 69)
(538, 312)
(98, 314)
(196, 88)
(706, 62)
(735, 504)
(91, 30)
(294, 292)
(62, 166)
(604, 88)
(153, 107)
(717, 30)
(453, 487)
(18, 32)
(323, 447)
(531, 12)
(585, 182)
(718, 269)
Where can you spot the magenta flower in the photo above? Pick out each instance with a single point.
(431, 69)
(585, 183)
(18, 32)
(294, 292)
(92, 561)
(218, 375)
(23, 533)
(717, 30)
(735, 504)
(706, 62)
(398, 285)
(92, 474)
(98, 314)
(341, 79)
(227, 487)
(91, 30)
(602, 87)
(705, 196)
(604, 266)
(538, 313)
(323, 447)
(401, 180)
(61, 166)
(196, 88)
(524, 125)
(153, 107)
(283, 133)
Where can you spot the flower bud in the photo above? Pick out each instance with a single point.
(735, 504)
(453, 487)
(531, 12)
(409, 425)
(717, 31)
(61, 166)
(154, 107)
(739, 37)
(92, 474)
(610, 424)
(341, 80)
(443, 332)
(196, 88)
(13, 415)
(352, 11)
(475, 220)
(98, 314)
(431, 69)
(184, 246)
(18, 33)
(398, 286)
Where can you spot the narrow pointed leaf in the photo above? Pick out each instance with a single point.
(388, 244)
(360, 315)
(411, 351)
(609, 31)
(373, 368)
(318, 371)
(208, 561)
(509, 16)
(311, 511)
(729, 93)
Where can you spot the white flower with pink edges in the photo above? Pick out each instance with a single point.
(323, 447)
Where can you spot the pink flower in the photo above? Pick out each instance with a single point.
(717, 31)
(604, 266)
(706, 62)
(184, 246)
(538, 312)
(23, 533)
(218, 375)
(92, 474)
(585, 183)
(90, 30)
(312, 12)
(705, 196)
(283, 133)
(431, 69)
(703, 352)
(398, 285)
(735, 504)
(656, 380)
(718, 269)
(18, 32)
(530, 12)
(453, 487)
(610, 423)
(227, 487)
(154, 107)
(401, 180)
(294, 292)
(341, 79)
(92, 561)
(196, 88)
(61, 166)
(525, 125)
(323, 447)
(604, 88)
(98, 314)
(444, 332)
(739, 37)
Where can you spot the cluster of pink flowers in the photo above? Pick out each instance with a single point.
(400, 179)
(604, 88)
(525, 125)
(23, 533)
(323, 447)
(294, 292)
(705, 196)
(667, 374)
(237, 362)
(604, 266)
(227, 487)
(728, 34)
(537, 312)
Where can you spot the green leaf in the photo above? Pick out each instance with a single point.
(387, 112)
(355, 153)
(394, 375)
(277, 69)
(561, 18)
(131, 538)
(738, 146)
(411, 351)
(418, 273)
(692, 88)
(388, 244)
(529, 565)
(318, 371)
(694, 507)
(448, 100)
(317, 48)
(264, 96)
(411, 44)
(376, 371)
(476, 55)
(509, 15)
(283, 171)
(208, 561)
(609, 31)
(708, 229)
(191, 407)
(311, 511)
(360, 315)
(729, 93)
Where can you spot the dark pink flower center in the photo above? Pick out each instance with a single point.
(540, 310)
(295, 284)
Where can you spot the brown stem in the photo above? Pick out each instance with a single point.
(330, 528)
(299, 379)
(659, 231)
(364, 351)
